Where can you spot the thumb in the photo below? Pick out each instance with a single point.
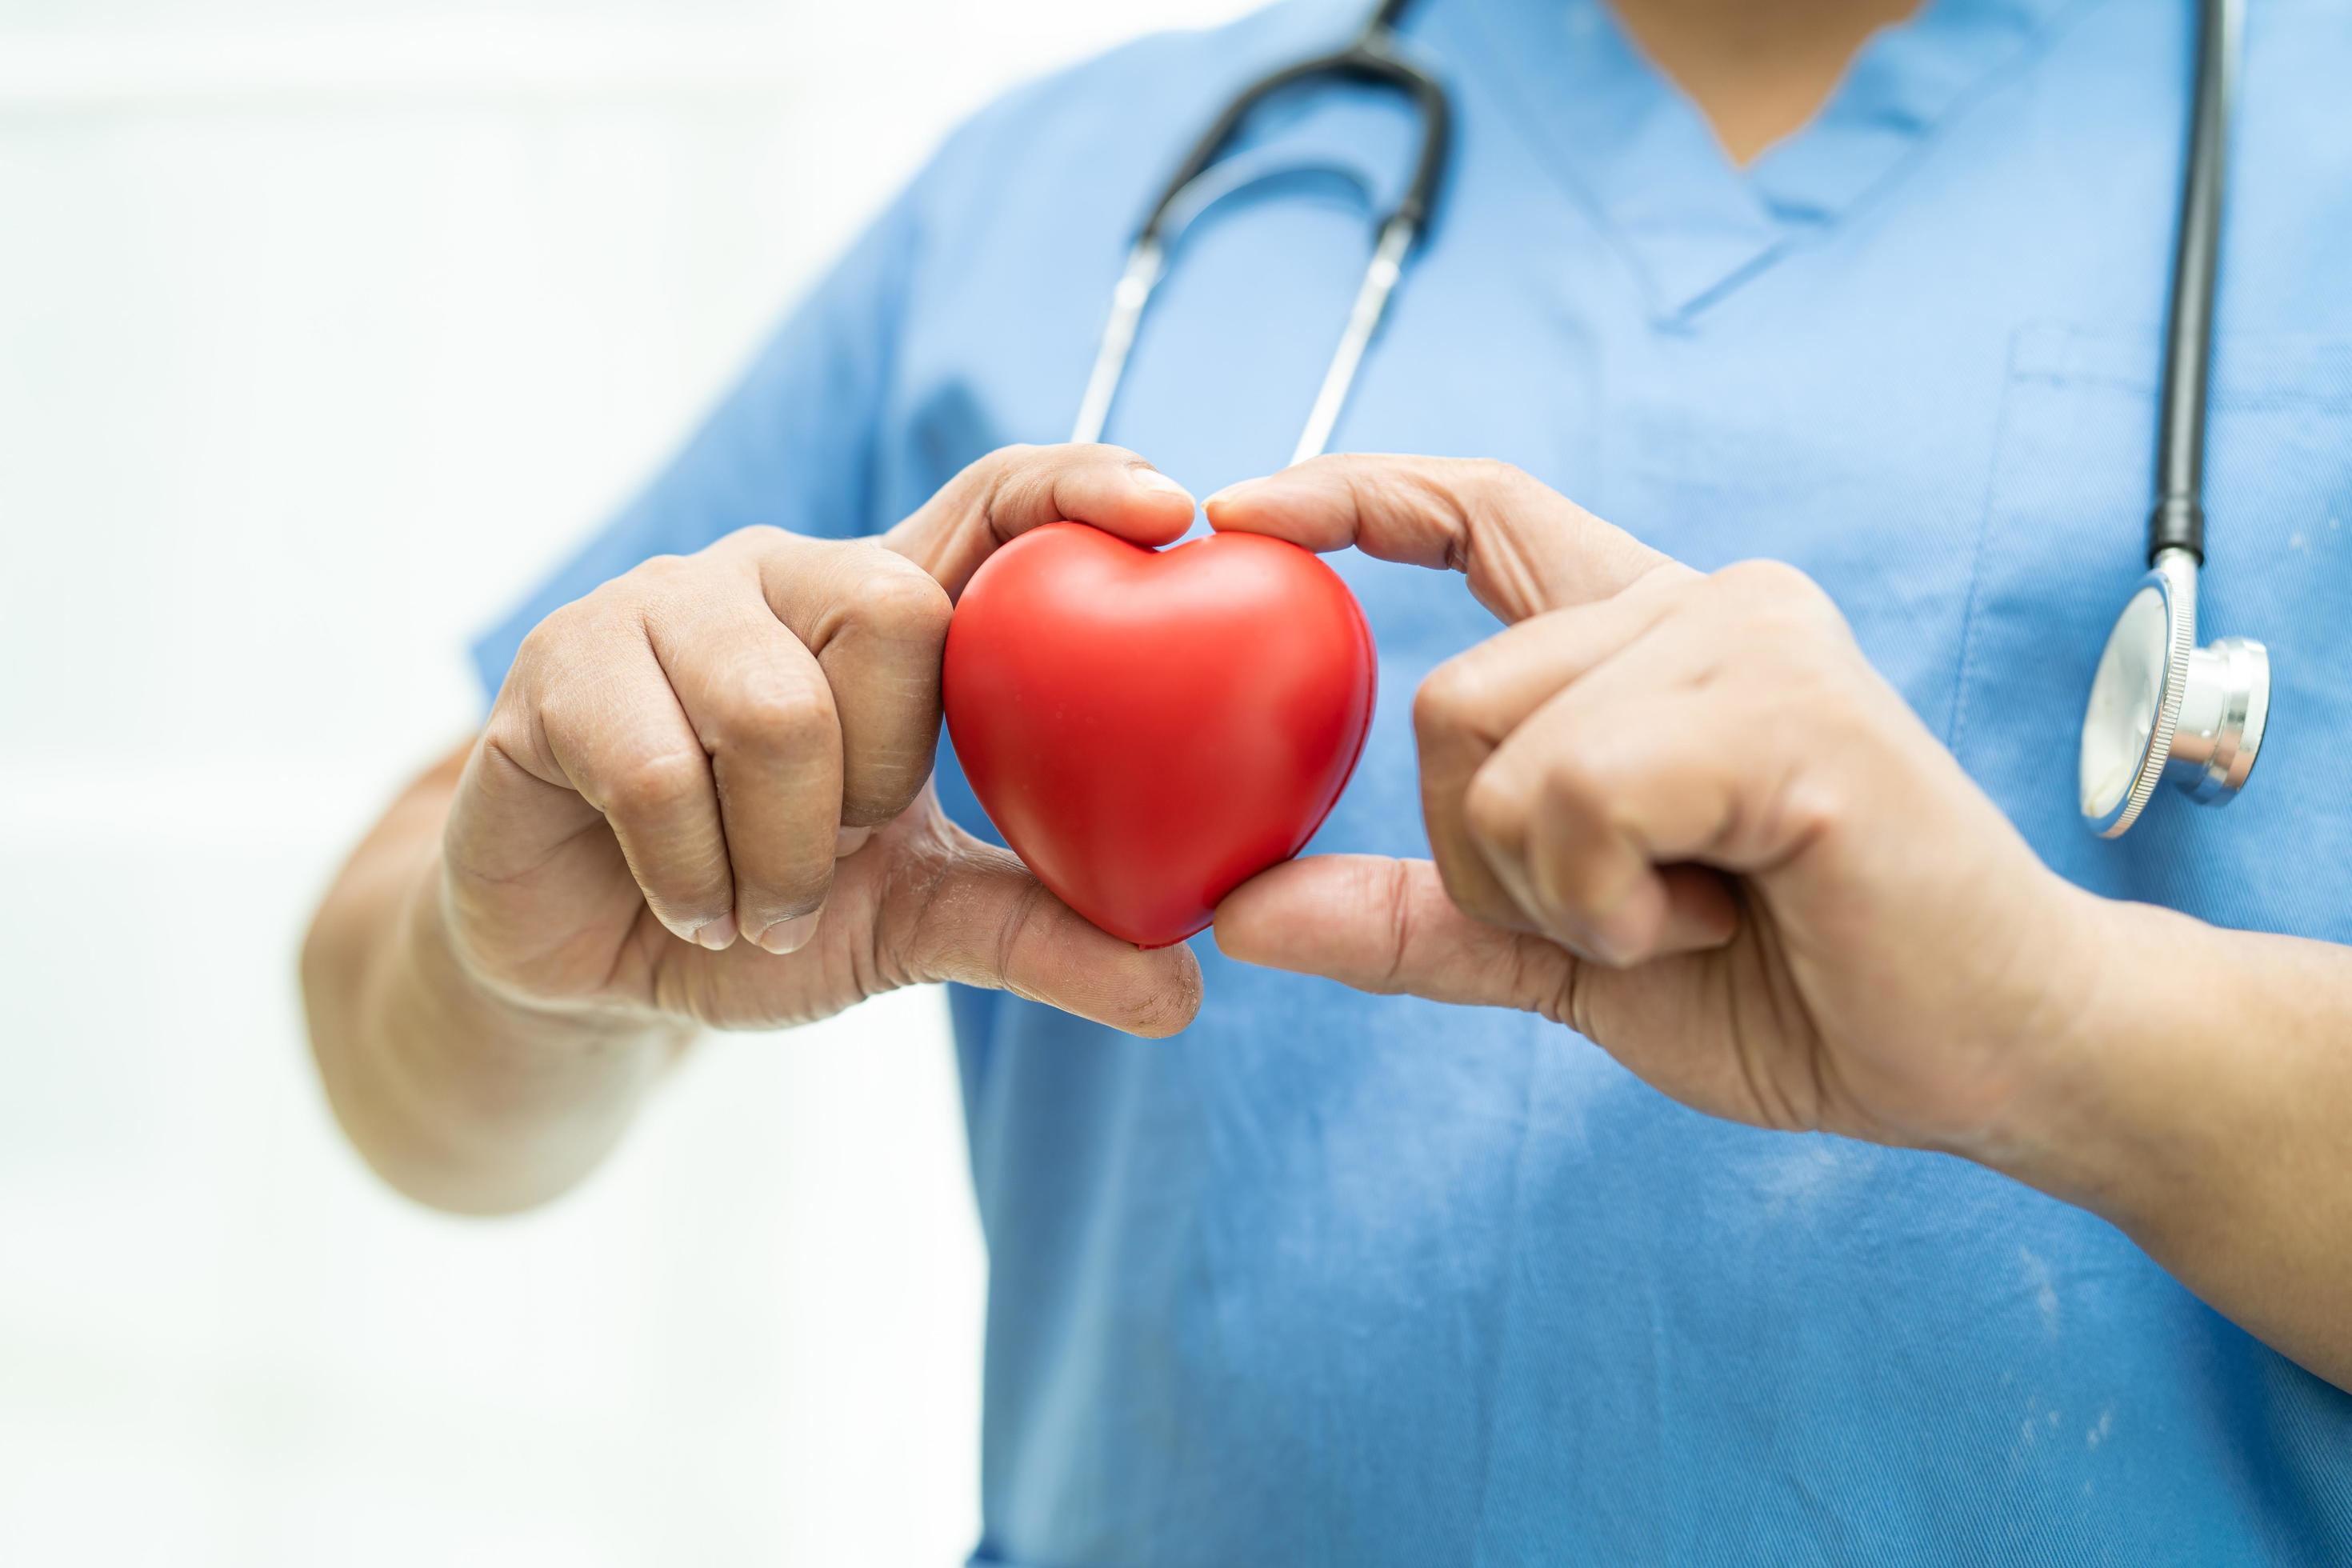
(1387, 926)
(967, 912)
(1016, 489)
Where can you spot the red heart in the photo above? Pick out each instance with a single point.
(1150, 728)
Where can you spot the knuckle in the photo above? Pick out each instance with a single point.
(752, 541)
(658, 572)
(656, 785)
(507, 731)
(1573, 788)
(1670, 585)
(1572, 876)
(1774, 582)
(1495, 810)
(554, 642)
(510, 752)
(575, 711)
(1806, 810)
(1503, 495)
(1577, 814)
(1776, 601)
(770, 710)
(1485, 491)
(992, 468)
(541, 649)
(1802, 809)
(1758, 575)
(1494, 474)
(1448, 694)
(890, 596)
(1005, 480)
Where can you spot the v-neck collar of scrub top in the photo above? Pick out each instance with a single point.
(1637, 150)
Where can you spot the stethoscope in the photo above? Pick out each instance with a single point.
(1371, 58)
(2161, 706)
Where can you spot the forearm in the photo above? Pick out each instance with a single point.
(459, 1096)
(2204, 1106)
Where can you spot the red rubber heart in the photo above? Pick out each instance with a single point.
(1150, 728)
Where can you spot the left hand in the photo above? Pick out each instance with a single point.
(1680, 813)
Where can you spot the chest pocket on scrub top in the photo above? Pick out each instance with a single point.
(2062, 547)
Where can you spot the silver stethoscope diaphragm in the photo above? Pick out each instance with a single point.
(2161, 707)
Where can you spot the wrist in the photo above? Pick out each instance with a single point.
(434, 957)
(469, 1098)
(2094, 1120)
(492, 1031)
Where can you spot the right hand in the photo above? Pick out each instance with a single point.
(703, 791)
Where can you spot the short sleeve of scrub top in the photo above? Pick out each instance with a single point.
(1339, 1279)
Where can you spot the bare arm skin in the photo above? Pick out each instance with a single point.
(2202, 1106)
(463, 1099)
(702, 798)
(1683, 815)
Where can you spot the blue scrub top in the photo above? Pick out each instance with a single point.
(1332, 1278)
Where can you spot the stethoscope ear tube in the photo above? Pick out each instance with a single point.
(1371, 58)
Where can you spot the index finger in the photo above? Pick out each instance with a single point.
(1525, 547)
(1016, 488)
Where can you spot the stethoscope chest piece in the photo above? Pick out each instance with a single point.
(2162, 707)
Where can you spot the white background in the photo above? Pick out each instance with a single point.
(324, 325)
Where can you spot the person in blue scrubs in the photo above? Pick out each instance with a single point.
(1704, 1096)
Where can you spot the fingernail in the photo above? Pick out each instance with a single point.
(1230, 493)
(789, 935)
(717, 936)
(1154, 480)
(849, 841)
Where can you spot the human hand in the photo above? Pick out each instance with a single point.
(1681, 814)
(702, 791)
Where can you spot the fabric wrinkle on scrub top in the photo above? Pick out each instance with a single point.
(1338, 1279)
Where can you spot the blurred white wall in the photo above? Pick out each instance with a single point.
(323, 325)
